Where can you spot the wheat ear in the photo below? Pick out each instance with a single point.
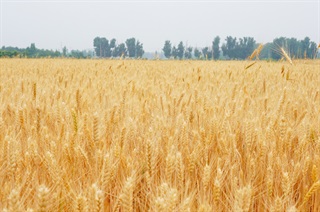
(311, 191)
(284, 54)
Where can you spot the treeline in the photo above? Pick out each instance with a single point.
(242, 48)
(231, 49)
(105, 49)
(30, 52)
(295, 48)
(33, 52)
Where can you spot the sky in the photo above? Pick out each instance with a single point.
(52, 24)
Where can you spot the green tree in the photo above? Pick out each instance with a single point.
(112, 46)
(55, 54)
(180, 50)
(197, 53)
(131, 47)
(112, 43)
(102, 47)
(207, 53)
(312, 51)
(245, 47)
(174, 52)
(167, 49)
(115, 51)
(76, 54)
(216, 48)
(64, 51)
(229, 48)
(31, 51)
(305, 43)
(139, 49)
(309, 48)
(241, 49)
(293, 47)
(122, 50)
(105, 49)
(97, 46)
(188, 53)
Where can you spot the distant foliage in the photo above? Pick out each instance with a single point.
(232, 49)
(241, 48)
(238, 49)
(216, 48)
(29, 52)
(105, 49)
(34, 52)
(167, 49)
(295, 48)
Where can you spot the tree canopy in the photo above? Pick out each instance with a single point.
(104, 48)
(241, 48)
(31, 52)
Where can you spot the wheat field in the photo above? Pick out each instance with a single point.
(122, 135)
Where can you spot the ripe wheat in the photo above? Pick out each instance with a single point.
(116, 135)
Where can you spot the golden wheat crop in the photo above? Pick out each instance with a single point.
(116, 135)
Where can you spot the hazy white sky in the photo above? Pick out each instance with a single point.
(53, 24)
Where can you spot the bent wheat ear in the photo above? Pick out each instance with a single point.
(256, 52)
(248, 66)
(285, 55)
(311, 191)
